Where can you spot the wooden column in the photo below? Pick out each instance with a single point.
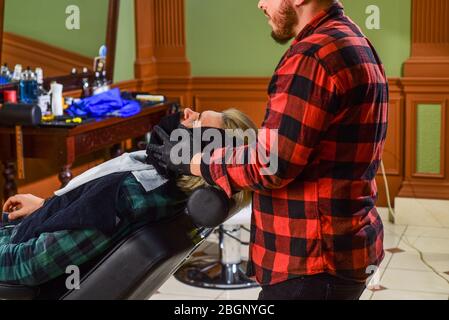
(161, 44)
(426, 82)
(430, 39)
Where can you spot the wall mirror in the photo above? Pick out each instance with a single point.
(58, 35)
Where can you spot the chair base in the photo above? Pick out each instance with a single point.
(215, 275)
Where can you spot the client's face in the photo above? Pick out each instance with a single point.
(211, 119)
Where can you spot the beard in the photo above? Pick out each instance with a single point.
(284, 22)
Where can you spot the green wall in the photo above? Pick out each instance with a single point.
(232, 37)
(428, 138)
(45, 20)
(126, 43)
(393, 40)
(229, 38)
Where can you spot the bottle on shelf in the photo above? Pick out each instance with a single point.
(43, 97)
(5, 74)
(28, 86)
(105, 82)
(17, 75)
(98, 84)
(85, 85)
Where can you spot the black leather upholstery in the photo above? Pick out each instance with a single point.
(11, 292)
(137, 266)
(20, 115)
(208, 207)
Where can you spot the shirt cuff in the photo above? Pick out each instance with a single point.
(205, 173)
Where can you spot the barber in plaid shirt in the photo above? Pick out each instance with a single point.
(315, 228)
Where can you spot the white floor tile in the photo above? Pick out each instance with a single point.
(419, 281)
(162, 296)
(175, 287)
(247, 294)
(427, 232)
(245, 235)
(412, 261)
(425, 244)
(394, 229)
(422, 212)
(213, 238)
(407, 295)
(383, 213)
(386, 260)
(367, 294)
(391, 240)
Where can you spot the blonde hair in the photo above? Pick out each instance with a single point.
(232, 119)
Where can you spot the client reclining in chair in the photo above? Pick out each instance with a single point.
(41, 238)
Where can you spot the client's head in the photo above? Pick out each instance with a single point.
(229, 119)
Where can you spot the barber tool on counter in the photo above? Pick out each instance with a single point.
(19, 115)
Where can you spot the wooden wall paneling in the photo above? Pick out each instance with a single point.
(247, 94)
(416, 184)
(160, 39)
(430, 39)
(178, 89)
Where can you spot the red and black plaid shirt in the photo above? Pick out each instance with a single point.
(328, 98)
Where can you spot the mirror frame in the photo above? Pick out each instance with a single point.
(111, 43)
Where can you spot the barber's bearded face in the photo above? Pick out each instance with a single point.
(282, 19)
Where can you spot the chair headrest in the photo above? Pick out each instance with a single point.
(209, 207)
(20, 115)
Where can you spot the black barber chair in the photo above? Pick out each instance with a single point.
(139, 264)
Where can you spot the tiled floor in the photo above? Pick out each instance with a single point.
(416, 267)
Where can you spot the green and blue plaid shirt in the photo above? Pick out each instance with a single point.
(45, 258)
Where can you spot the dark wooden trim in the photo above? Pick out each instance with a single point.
(111, 35)
(2, 14)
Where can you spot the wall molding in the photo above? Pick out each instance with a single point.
(430, 39)
(160, 41)
(417, 91)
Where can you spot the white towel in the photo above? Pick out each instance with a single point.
(127, 162)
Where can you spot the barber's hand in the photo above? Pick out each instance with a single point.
(22, 205)
(162, 154)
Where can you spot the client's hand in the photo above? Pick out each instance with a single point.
(22, 205)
